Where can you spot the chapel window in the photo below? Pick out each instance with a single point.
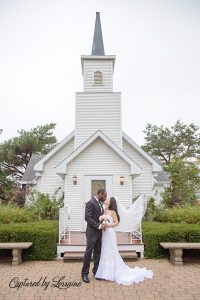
(98, 78)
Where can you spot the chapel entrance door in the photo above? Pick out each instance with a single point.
(91, 185)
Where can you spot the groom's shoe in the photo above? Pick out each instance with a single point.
(85, 279)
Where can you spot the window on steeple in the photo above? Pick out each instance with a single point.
(98, 78)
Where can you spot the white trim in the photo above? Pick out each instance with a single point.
(61, 168)
(87, 185)
(96, 57)
(33, 181)
(40, 165)
(155, 165)
(87, 189)
(81, 248)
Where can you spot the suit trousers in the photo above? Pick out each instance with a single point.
(93, 245)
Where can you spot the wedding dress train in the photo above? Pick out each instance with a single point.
(111, 265)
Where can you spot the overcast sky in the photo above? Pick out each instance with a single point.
(157, 48)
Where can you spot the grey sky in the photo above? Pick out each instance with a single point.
(157, 48)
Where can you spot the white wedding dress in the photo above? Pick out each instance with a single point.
(111, 265)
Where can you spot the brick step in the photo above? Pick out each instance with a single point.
(71, 256)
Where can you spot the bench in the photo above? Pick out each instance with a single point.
(176, 251)
(16, 250)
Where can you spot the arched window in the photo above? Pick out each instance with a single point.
(98, 78)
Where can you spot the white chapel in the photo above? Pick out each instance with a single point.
(97, 153)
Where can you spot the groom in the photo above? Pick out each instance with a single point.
(93, 210)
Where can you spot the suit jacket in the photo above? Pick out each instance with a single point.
(92, 214)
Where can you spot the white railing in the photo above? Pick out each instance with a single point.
(64, 224)
(136, 235)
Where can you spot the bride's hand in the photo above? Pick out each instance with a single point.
(102, 217)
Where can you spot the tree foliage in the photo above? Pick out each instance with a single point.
(5, 185)
(176, 147)
(15, 153)
(184, 183)
(179, 141)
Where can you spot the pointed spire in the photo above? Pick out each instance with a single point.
(97, 47)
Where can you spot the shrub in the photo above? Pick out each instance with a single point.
(154, 233)
(153, 210)
(44, 206)
(187, 214)
(14, 214)
(43, 234)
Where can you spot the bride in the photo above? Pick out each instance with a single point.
(111, 265)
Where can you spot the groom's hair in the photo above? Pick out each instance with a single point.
(101, 191)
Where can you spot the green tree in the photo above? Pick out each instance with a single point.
(15, 153)
(184, 183)
(179, 141)
(5, 185)
(176, 147)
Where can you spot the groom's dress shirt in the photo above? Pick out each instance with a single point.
(100, 207)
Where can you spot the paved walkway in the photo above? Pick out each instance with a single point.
(168, 283)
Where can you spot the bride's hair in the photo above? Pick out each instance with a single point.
(113, 206)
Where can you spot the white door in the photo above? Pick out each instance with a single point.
(92, 184)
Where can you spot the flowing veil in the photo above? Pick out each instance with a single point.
(130, 218)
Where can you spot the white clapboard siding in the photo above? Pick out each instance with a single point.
(144, 182)
(37, 186)
(50, 181)
(98, 111)
(96, 159)
(105, 67)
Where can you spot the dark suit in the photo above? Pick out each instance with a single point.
(93, 236)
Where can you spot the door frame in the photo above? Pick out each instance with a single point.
(87, 189)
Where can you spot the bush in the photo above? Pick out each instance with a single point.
(188, 214)
(15, 214)
(154, 233)
(44, 206)
(43, 235)
(153, 210)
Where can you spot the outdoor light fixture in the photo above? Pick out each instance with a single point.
(122, 180)
(75, 179)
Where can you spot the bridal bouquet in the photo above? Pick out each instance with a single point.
(105, 219)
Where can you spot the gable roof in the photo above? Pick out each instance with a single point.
(37, 161)
(29, 173)
(62, 166)
(155, 165)
(39, 166)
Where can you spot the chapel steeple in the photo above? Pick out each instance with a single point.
(97, 46)
(98, 107)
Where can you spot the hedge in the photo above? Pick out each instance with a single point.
(156, 232)
(43, 235)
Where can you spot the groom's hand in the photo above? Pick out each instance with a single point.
(104, 226)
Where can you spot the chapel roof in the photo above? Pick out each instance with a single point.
(29, 173)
